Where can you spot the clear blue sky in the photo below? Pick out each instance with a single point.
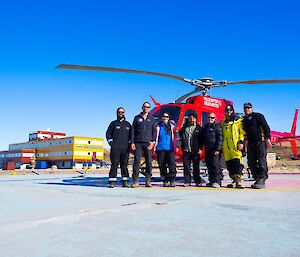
(231, 40)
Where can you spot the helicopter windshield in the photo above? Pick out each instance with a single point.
(174, 112)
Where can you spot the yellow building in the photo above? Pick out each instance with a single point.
(65, 152)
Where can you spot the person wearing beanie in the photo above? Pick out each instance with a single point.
(258, 138)
(232, 146)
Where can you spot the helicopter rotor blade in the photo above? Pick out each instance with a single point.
(101, 68)
(265, 81)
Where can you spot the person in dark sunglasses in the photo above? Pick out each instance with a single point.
(212, 137)
(165, 147)
(143, 141)
(233, 144)
(258, 138)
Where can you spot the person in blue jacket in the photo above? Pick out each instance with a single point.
(165, 146)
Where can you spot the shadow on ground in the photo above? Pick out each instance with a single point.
(100, 182)
(83, 180)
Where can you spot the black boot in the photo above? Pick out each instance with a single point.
(125, 183)
(166, 184)
(111, 184)
(172, 183)
(231, 185)
(259, 183)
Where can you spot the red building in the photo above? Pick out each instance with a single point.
(44, 135)
(14, 158)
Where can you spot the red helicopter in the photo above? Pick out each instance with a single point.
(280, 137)
(201, 104)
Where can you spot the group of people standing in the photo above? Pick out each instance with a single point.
(228, 137)
(140, 137)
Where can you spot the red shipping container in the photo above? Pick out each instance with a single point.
(8, 166)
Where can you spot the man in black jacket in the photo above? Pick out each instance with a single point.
(212, 136)
(142, 141)
(118, 136)
(191, 144)
(258, 136)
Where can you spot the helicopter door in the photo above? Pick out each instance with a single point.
(204, 119)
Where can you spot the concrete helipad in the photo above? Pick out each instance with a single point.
(69, 215)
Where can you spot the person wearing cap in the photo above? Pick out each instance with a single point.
(165, 146)
(143, 141)
(258, 138)
(212, 139)
(191, 144)
(232, 146)
(118, 135)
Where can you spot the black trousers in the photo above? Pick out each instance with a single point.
(166, 160)
(234, 167)
(142, 148)
(215, 174)
(189, 158)
(117, 157)
(257, 159)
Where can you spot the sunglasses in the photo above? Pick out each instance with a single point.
(146, 106)
(121, 112)
(247, 107)
(211, 118)
(166, 117)
(229, 110)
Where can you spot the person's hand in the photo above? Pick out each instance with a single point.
(199, 152)
(217, 152)
(151, 145)
(133, 148)
(240, 147)
(269, 143)
(177, 149)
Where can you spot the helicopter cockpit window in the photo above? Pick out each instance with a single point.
(174, 112)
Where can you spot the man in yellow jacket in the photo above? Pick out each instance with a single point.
(232, 146)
